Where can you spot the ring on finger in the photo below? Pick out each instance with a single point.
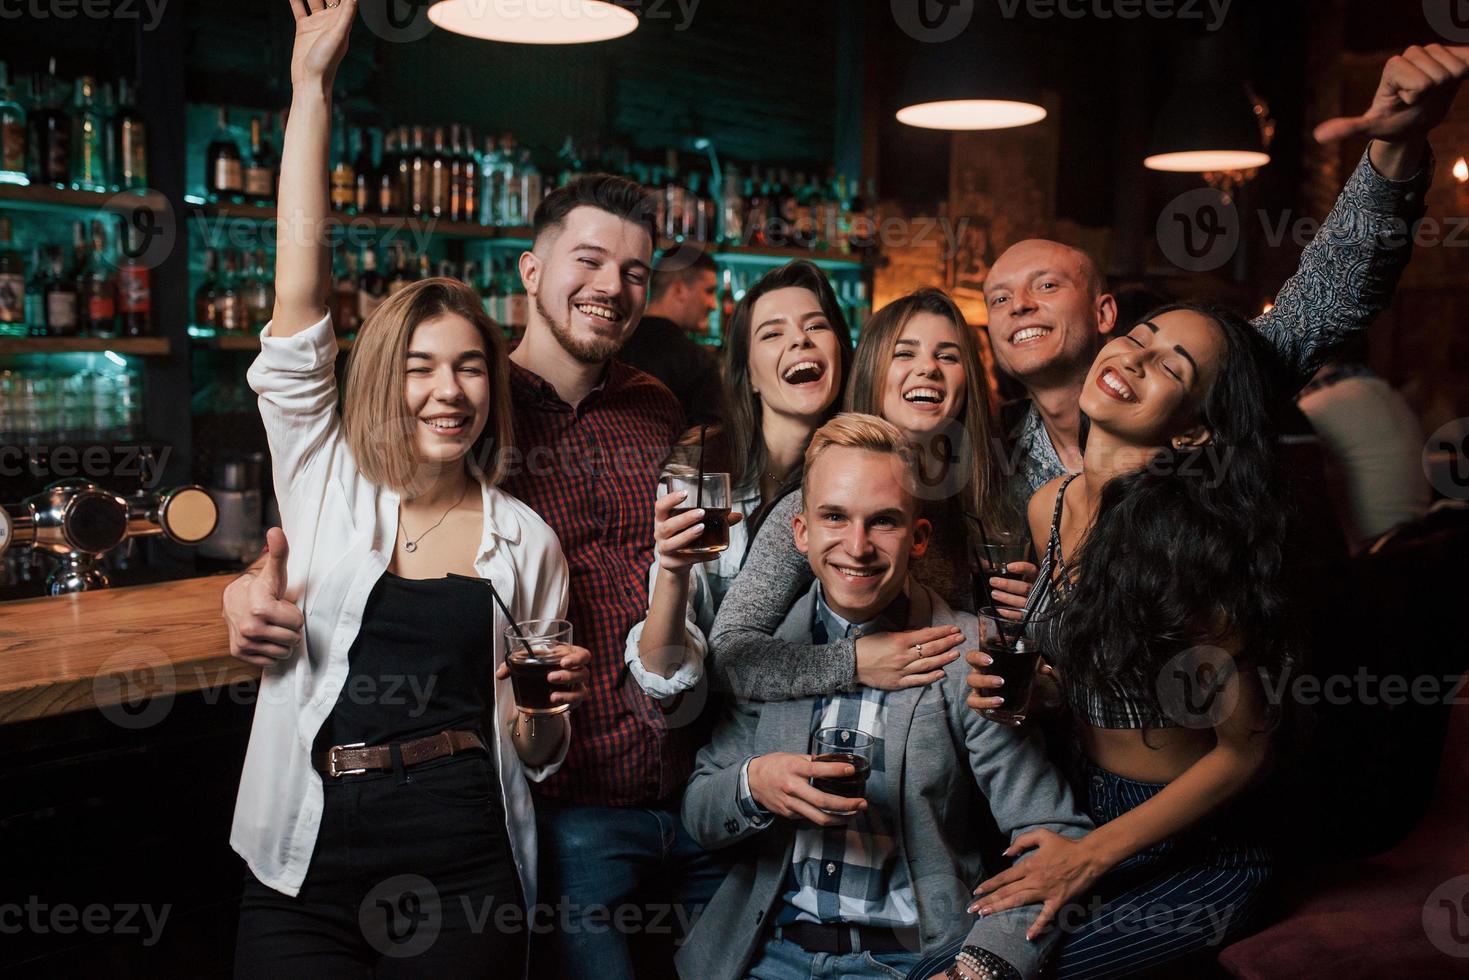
(918, 649)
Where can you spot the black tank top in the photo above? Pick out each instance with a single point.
(421, 664)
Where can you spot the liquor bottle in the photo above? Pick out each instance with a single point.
(372, 288)
(705, 212)
(259, 294)
(385, 195)
(510, 209)
(841, 236)
(97, 289)
(230, 302)
(731, 208)
(52, 127)
(131, 135)
(402, 275)
(12, 134)
(61, 298)
(438, 177)
(455, 210)
(491, 178)
(206, 299)
(489, 295)
(425, 269)
(36, 294)
(364, 175)
(786, 207)
(529, 179)
(403, 174)
(756, 209)
(673, 226)
(517, 308)
(344, 296)
(418, 174)
(224, 171)
(134, 286)
(106, 104)
(342, 177)
(468, 179)
(259, 170)
(12, 286)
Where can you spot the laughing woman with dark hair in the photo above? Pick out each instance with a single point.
(1162, 580)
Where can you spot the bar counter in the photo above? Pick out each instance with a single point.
(114, 648)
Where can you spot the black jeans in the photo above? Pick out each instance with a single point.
(412, 876)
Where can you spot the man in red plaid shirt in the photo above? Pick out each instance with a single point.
(591, 434)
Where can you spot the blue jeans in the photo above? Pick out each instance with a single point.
(781, 959)
(1177, 903)
(611, 874)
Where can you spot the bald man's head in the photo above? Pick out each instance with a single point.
(1048, 310)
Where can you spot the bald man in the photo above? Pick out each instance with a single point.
(1049, 311)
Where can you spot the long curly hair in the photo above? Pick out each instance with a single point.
(1189, 550)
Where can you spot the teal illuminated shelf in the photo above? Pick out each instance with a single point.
(385, 223)
(138, 346)
(43, 197)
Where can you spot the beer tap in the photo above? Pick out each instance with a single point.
(78, 522)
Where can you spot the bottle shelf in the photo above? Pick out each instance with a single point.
(138, 346)
(45, 197)
(385, 223)
(518, 234)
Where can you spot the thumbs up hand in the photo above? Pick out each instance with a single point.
(264, 626)
(1413, 96)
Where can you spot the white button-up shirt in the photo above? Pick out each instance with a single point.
(342, 530)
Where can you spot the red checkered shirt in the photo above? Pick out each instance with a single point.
(592, 472)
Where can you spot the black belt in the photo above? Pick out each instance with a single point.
(836, 937)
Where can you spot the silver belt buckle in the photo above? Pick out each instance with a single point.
(331, 760)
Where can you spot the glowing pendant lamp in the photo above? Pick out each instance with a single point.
(1207, 128)
(969, 83)
(535, 21)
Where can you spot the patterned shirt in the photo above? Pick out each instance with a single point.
(852, 873)
(1346, 277)
(591, 472)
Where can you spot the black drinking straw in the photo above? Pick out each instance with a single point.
(514, 626)
(699, 492)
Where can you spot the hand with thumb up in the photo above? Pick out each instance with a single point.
(264, 626)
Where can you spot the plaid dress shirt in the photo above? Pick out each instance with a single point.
(591, 472)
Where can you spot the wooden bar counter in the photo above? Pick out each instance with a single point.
(114, 648)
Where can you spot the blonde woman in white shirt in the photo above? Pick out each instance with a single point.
(412, 854)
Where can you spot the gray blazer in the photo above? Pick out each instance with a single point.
(930, 732)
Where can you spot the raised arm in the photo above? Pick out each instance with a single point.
(302, 260)
(1349, 271)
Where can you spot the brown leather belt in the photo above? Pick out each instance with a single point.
(347, 760)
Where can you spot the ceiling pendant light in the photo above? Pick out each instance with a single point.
(1209, 128)
(535, 21)
(980, 79)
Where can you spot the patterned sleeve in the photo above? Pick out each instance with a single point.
(1349, 271)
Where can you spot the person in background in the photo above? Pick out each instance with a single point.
(1374, 443)
(1050, 311)
(785, 369)
(680, 299)
(839, 885)
(354, 793)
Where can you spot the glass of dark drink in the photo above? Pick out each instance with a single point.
(534, 651)
(712, 493)
(1015, 659)
(849, 746)
(991, 556)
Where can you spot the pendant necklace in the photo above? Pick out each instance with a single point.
(411, 545)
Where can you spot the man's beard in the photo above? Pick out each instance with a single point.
(597, 351)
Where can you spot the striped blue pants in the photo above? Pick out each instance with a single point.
(1188, 896)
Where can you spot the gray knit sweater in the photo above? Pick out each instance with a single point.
(744, 656)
